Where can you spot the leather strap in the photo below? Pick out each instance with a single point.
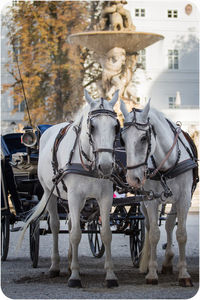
(167, 155)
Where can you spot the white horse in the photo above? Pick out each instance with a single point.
(148, 139)
(98, 127)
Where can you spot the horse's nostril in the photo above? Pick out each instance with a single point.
(137, 179)
(104, 169)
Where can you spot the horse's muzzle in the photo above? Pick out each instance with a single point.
(105, 170)
(135, 181)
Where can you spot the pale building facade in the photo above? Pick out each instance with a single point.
(171, 65)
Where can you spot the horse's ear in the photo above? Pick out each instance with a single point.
(114, 99)
(87, 97)
(123, 108)
(145, 111)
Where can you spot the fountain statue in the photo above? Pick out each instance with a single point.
(116, 42)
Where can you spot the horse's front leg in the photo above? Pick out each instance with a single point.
(154, 236)
(55, 227)
(75, 237)
(181, 235)
(167, 266)
(105, 205)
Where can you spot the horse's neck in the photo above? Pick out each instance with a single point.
(83, 144)
(164, 140)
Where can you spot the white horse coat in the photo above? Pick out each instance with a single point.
(80, 188)
(136, 144)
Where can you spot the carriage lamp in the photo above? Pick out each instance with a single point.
(29, 138)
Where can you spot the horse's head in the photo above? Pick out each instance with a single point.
(103, 127)
(138, 136)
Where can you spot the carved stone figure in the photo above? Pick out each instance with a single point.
(115, 17)
(117, 73)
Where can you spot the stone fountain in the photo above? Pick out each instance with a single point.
(116, 42)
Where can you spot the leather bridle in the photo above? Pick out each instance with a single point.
(141, 127)
(101, 111)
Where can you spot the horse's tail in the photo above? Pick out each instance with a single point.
(34, 214)
(145, 254)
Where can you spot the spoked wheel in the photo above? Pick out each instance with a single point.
(34, 238)
(5, 236)
(119, 218)
(94, 237)
(137, 240)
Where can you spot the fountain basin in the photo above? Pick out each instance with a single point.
(103, 41)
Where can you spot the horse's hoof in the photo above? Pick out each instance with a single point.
(54, 273)
(185, 282)
(74, 283)
(151, 281)
(167, 270)
(110, 283)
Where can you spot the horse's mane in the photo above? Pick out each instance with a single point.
(156, 115)
(81, 113)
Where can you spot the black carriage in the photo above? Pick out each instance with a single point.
(21, 191)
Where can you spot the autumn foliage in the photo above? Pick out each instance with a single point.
(51, 68)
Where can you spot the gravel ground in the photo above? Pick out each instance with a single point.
(21, 281)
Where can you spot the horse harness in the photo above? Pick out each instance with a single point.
(82, 168)
(179, 167)
(141, 127)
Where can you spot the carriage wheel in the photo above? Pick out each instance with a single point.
(119, 216)
(5, 236)
(137, 240)
(95, 242)
(34, 238)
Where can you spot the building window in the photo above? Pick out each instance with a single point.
(142, 12)
(173, 59)
(141, 62)
(20, 107)
(172, 13)
(15, 2)
(139, 12)
(172, 102)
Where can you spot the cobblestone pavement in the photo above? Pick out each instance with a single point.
(21, 281)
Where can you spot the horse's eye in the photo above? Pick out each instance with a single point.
(92, 128)
(143, 139)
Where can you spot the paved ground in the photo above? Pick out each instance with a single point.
(21, 281)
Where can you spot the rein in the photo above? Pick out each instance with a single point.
(178, 131)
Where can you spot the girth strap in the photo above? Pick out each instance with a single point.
(75, 168)
(181, 168)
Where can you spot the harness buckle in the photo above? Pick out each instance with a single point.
(167, 191)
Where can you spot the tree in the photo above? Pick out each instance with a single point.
(93, 69)
(51, 69)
